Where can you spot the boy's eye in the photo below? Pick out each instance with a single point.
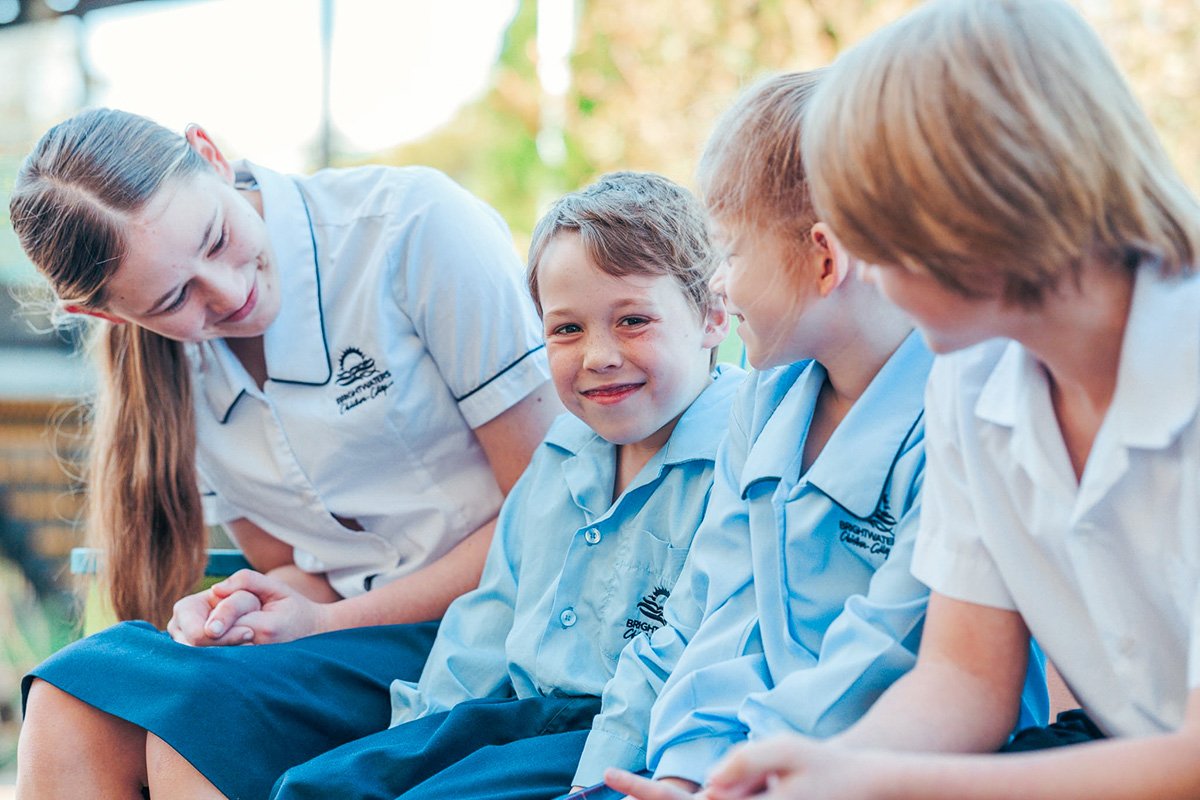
(634, 321)
(566, 330)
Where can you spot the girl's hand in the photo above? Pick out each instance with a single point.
(261, 609)
(192, 619)
(636, 787)
(793, 767)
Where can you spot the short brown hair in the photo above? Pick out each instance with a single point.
(994, 145)
(633, 223)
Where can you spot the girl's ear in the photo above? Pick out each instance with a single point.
(834, 263)
(716, 323)
(203, 144)
(74, 309)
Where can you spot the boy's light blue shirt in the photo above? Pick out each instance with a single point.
(572, 576)
(797, 607)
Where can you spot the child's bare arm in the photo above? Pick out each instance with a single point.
(955, 700)
(963, 695)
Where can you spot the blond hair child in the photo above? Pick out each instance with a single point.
(988, 156)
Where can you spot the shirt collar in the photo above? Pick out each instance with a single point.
(855, 464)
(589, 471)
(295, 344)
(1158, 379)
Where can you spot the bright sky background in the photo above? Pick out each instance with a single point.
(249, 70)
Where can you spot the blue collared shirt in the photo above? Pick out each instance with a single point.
(797, 607)
(573, 576)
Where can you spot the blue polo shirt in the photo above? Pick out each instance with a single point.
(573, 575)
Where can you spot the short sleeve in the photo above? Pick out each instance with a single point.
(463, 287)
(950, 557)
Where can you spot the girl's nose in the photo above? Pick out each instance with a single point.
(224, 288)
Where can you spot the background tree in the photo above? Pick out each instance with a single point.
(649, 79)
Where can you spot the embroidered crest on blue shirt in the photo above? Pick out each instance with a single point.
(650, 607)
(356, 369)
(876, 537)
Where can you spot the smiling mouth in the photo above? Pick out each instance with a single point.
(247, 307)
(610, 395)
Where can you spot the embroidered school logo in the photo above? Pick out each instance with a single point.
(877, 539)
(353, 366)
(881, 518)
(356, 369)
(650, 607)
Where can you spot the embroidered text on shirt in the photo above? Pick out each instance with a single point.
(877, 539)
(354, 367)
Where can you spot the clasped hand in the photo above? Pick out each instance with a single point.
(245, 608)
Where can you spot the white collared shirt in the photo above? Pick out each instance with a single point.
(405, 323)
(1105, 570)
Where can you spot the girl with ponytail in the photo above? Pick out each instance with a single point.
(280, 355)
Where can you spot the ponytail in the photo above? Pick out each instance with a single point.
(71, 201)
(143, 504)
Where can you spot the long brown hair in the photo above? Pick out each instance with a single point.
(71, 202)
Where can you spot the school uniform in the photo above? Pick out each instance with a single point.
(1105, 570)
(404, 324)
(798, 608)
(571, 578)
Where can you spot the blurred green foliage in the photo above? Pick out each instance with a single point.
(649, 80)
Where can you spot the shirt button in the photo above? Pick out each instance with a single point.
(568, 618)
(592, 536)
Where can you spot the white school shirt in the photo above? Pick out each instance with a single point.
(1105, 571)
(405, 323)
(572, 575)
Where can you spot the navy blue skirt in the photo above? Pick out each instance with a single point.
(243, 715)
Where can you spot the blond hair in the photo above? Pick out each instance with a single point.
(633, 223)
(71, 202)
(751, 171)
(994, 145)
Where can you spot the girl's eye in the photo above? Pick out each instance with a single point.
(178, 302)
(220, 243)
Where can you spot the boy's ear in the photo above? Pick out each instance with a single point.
(71, 308)
(832, 261)
(716, 323)
(203, 144)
